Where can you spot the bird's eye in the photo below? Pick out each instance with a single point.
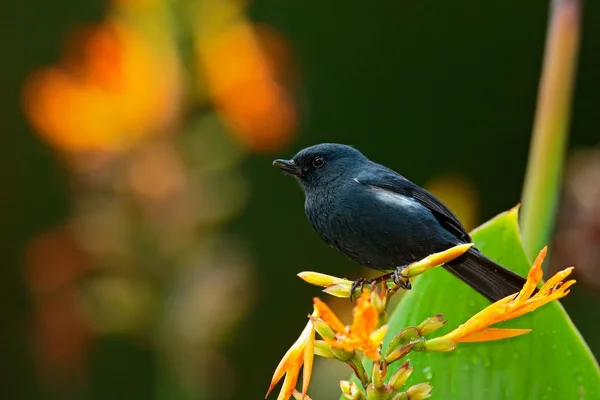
(318, 162)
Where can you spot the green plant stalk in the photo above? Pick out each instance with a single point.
(551, 125)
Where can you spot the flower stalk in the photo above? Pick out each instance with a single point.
(550, 130)
(359, 370)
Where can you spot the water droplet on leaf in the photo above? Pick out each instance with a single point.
(428, 373)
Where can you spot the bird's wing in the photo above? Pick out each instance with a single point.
(387, 179)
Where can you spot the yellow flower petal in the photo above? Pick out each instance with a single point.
(476, 328)
(338, 290)
(482, 319)
(309, 355)
(533, 278)
(490, 334)
(289, 384)
(323, 280)
(435, 260)
(378, 335)
(552, 282)
(419, 391)
(328, 316)
(292, 360)
(534, 303)
(284, 365)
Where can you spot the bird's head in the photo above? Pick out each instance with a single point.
(322, 164)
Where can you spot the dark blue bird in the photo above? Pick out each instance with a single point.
(382, 220)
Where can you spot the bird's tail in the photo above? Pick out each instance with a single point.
(484, 275)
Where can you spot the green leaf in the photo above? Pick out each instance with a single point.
(551, 362)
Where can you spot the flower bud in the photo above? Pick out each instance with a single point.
(399, 353)
(379, 393)
(338, 290)
(431, 324)
(341, 354)
(322, 328)
(416, 269)
(318, 279)
(400, 396)
(406, 335)
(378, 374)
(323, 349)
(438, 345)
(419, 391)
(379, 300)
(346, 387)
(351, 391)
(399, 378)
(434, 260)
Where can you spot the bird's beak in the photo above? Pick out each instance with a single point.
(289, 167)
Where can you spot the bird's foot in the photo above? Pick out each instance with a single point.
(399, 279)
(396, 277)
(360, 283)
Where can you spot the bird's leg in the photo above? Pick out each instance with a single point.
(359, 283)
(400, 280)
(362, 282)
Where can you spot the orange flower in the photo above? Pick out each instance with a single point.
(301, 352)
(99, 97)
(241, 76)
(513, 306)
(363, 335)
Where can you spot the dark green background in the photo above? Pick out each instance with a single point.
(422, 86)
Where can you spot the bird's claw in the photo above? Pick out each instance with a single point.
(399, 279)
(360, 283)
(396, 277)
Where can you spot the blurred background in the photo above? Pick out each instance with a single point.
(150, 251)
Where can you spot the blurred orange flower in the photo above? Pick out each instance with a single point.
(241, 80)
(113, 87)
(363, 335)
(513, 306)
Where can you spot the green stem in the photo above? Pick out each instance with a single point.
(550, 129)
(359, 370)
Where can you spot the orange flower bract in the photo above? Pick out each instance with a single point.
(111, 89)
(301, 352)
(362, 335)
(476, 329)
(241, 79)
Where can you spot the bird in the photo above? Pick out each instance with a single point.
(381, 220)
